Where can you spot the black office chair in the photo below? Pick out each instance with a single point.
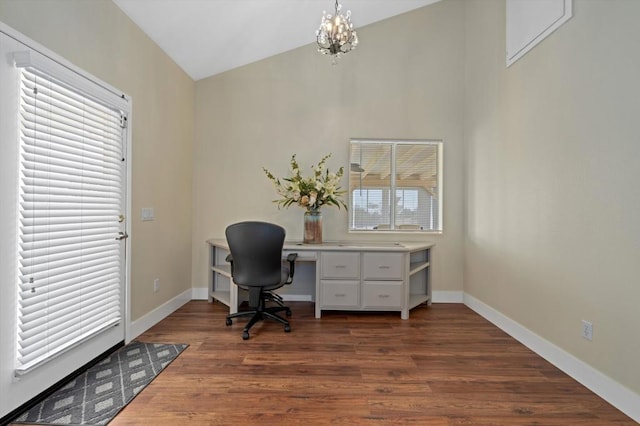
(256, 266)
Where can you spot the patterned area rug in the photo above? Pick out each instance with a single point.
(97, 395)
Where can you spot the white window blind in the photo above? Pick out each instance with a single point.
(71, 195)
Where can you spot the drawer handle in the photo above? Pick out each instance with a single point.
(340, 294)
(384, 267)
(383, 296)
(341, 266)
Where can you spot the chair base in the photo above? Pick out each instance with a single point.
(261, 314)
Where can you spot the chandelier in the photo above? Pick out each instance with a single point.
(336, 36)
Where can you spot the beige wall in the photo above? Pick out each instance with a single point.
(405, 86)
(552, 229)
(99, 38)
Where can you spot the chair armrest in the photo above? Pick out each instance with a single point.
(291, 258)
(229, 259)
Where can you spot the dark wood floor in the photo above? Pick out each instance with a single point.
(444, 366)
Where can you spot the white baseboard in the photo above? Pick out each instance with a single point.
(200, 293)
(141, 325)
(297, 297)
(608, 389)
(447, 296)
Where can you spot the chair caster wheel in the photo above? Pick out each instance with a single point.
(287, 328)
(228, 322)
(288, 313)
(245, 335)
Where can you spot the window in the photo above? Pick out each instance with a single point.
(70, 212)
(395, 186)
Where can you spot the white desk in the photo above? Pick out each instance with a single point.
(349, 276)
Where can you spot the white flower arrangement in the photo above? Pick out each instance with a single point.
(321, 188)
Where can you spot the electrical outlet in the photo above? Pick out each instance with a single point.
(156, 285)
(587, 330)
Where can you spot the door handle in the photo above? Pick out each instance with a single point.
(122, 236)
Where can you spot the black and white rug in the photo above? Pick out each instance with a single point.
(97, 395)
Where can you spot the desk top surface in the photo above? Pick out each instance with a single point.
(386, 246)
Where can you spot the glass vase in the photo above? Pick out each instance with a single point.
(312, 227)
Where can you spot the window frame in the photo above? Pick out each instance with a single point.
(392, 188)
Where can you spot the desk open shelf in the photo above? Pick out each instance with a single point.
(218, 290)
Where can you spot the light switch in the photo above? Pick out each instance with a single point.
(147, 213)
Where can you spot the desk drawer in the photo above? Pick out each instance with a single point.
(340, 293)
(382, 294)
(382, 266)
(340, 265)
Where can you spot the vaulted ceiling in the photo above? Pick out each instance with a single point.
(207, 37)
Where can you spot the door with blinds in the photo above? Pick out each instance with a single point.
(71, 213)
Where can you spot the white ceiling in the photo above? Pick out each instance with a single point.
(207, 37)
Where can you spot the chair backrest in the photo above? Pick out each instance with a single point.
(256, 248)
